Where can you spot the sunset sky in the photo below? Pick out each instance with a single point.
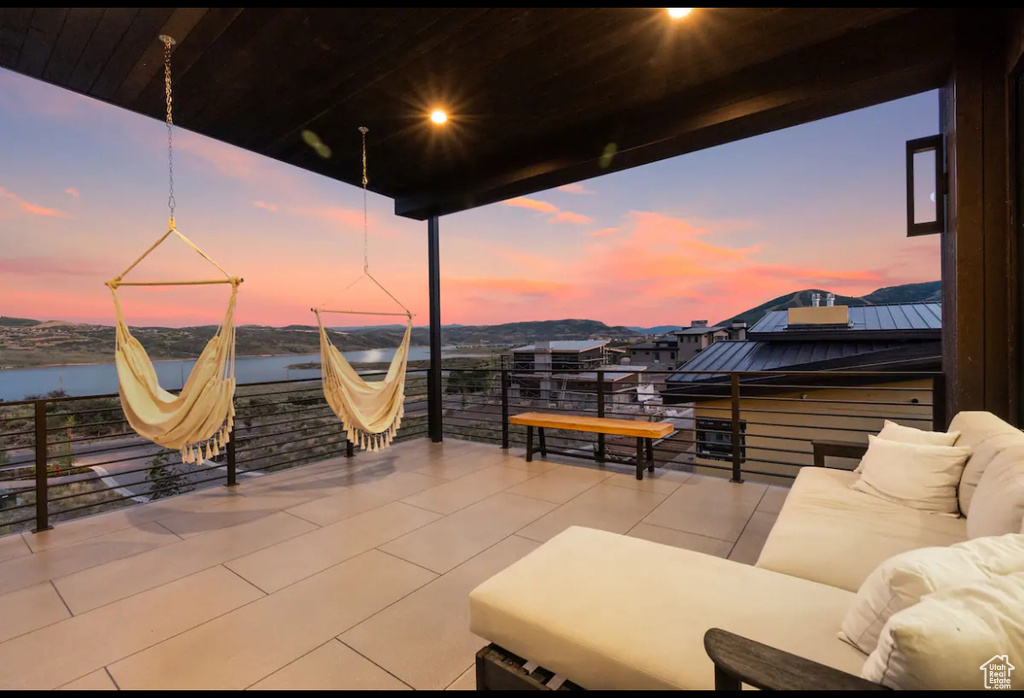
(83, 190)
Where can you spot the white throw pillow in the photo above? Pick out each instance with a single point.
(915, 475)
(891, 431)
(998, 503)
(944, 641)
(902, 580)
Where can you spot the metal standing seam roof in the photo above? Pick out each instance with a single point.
(702, 330)
(565, 345)
(903, 316)
(769, 356)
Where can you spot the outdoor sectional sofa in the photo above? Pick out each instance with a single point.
(607, 611)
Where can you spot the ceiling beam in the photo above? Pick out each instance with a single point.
(893, 59)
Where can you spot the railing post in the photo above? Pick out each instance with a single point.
(939, 422)
(42, 494)
(350, 449)
(232, 463)
(504, 408)
(600, 413)
(737, 464)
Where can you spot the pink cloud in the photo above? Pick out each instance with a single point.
(265, 206)
(553, 213)
(73, 192)
(29, 207)
(603, 231)
(39, 266)
(574, 188)
(333, 214)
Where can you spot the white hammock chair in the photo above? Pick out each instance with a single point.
(199, 419)
(370, 411)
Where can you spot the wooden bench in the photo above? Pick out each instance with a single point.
(645, 433)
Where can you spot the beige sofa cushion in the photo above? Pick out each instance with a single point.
(832, 534)
(902, 580)
(986, 435)
(891, 431)
(613, 612)
(998, 505)
(920, 476)
(942, 642)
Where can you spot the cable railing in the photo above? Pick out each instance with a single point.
(66, 457)
(764, 425)
(63, 457)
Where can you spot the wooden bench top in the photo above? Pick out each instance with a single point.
(597, 425)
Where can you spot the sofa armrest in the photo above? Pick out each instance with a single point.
(739, 660)
(838, 449)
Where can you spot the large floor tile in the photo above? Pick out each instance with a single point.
(245, 646)
(331, 666)
(233, 511)
(681, 539)
(709, 506)
(446, 543)
(64, 651)
(287, 562)
(355, 500)
(29, 609)
(560, 484)
(773, 499)
(101, 585)
(465, 682)
(606, 507)
(28, 570)
(458, 494)
(463, 463)
(98, 680)
(661, 481)
(424, 639)
(748, 547)
(13, 546)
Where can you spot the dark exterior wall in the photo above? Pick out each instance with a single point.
(978, 254)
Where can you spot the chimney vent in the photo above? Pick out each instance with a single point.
(699, 323)
(830, 299)
(815, 299)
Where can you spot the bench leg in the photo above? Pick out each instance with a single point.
(543, 442)
(650, 455)
(529, 444)
(639, 458)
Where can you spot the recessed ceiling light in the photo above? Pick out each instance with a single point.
(438, 116)
(679, 12)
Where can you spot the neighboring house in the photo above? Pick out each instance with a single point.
(566, 371)
(779, 424)
(678, 347)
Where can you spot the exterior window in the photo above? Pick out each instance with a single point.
(672, 355)
(714, 439)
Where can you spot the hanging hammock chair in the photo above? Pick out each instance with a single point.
(370, 411)
(199, 419)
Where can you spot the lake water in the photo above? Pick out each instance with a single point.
(101, 379)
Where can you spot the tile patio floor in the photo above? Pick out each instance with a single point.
(342, 574)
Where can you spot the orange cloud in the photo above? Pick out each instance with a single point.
(574, 188)
(555, 214)
(29, 207)
(603, 231)
(265, 206)
(332, 214)
(73, 192)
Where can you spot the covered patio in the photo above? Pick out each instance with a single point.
(344, 574)
(354, 573)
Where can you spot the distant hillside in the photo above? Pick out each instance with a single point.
(33, 343)
(660, 329)
(907, 293)
(527, 332)
(16, 322)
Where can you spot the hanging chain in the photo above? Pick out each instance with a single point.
(366, 255)
(171, 203)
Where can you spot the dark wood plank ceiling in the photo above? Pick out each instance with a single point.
(535, 95)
